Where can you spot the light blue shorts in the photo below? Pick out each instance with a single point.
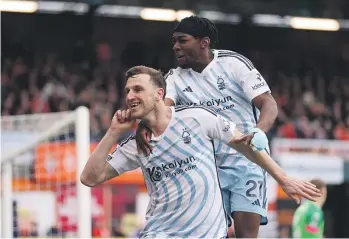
(244, 189)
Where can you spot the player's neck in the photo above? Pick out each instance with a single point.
(203, 61)
(158, 120)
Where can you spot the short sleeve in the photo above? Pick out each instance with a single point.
(171, 92)
(216, 126)
(124, 157)
(252, 82)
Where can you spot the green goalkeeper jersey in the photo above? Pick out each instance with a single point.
(308, 221)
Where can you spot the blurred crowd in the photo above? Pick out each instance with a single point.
(50, 84)
(312, 103)
(312, 95)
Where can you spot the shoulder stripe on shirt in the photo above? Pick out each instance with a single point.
(223, 52)
(243, 59)
(236, 54)
(183, 107)
(125, 141)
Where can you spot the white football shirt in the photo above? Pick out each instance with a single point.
(181, 174)
(227, 85)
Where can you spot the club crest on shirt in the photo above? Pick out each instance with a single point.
(220, 83)
(186, 136)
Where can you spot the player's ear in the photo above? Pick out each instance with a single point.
(205, 42)
(160, 94)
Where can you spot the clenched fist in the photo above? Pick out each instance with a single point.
(121, 122)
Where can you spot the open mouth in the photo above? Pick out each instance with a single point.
(179, 56)
(134, 105)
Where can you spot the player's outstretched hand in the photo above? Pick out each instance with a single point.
(296, 189)
(143, 136)
(121, 122)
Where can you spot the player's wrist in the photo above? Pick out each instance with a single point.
(263, 125)
(113, 134)
(281, 178)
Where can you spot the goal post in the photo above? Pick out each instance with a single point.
(42, 154)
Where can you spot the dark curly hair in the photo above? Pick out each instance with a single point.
(203, 28)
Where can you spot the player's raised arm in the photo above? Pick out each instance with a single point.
(101, 166)
(220, 128)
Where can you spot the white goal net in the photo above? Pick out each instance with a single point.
(42, 156)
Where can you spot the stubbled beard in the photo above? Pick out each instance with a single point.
(147, 111)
